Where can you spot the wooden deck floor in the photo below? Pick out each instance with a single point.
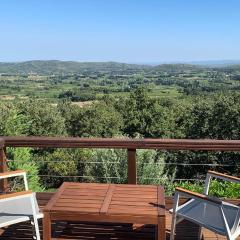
(114, 231)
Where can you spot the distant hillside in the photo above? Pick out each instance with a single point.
(177, 67)
(59, 67)
(217, 63)
(68, 67)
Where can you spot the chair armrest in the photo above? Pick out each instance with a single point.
(12, 174)
(199, 196)
(224, 176)
(15, 195)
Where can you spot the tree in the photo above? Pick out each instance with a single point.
(12, 122)
(224, 122)
(99, 120)
(72, 115)
(144, 116)
(57, 166)
(43, 118)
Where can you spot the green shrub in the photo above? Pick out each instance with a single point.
(217, 188)
(57, 166)
(107, 166)
(22, 159)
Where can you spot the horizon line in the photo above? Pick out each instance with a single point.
(220, 61)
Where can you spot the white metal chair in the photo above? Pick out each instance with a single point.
(19, 206)
(209, 212)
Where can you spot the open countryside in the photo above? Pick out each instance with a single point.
(79, 82)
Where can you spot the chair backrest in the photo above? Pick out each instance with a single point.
(16, 174)
(212, 174)
(236, 224)
(217, 175)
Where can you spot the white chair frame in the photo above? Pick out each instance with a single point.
(20, 195)
(211, 201)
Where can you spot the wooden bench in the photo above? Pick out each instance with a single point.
(120, 203)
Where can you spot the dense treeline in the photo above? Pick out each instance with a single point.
(213, 116)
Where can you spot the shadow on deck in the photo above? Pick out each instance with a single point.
(112, 231)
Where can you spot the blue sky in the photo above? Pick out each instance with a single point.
(120, 30)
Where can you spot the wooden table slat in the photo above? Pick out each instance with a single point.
(107, 200)
(161, 201)
(54, 198)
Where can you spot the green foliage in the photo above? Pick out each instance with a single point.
(111, 166)
(87, 81)
(100, 120)
(4, 114)
(43, 118)
(22, 159)
(12, 122)
(213, 116)
(97, 120)
(145, 117)
(64, 67)
(225, 189)
(151, 167)
(57, 165)
(192, 186)
(107, 166)
(73, 117)
(217, 188)
(76, 96)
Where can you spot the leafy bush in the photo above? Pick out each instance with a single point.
(57, 166)
(111, 166)
(151, 169)
(43, 118)
(76, 96)
(217, 188)
(107, 166)
(22, 159)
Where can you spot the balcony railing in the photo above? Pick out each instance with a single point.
(131, 145)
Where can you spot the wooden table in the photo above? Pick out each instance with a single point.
(120, 203)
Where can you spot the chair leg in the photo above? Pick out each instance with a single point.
(173, 226)
(35, 230)
(35, 219)
(230, 237)
(200, 233)
(36, 234)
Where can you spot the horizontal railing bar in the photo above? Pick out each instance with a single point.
(166, 144)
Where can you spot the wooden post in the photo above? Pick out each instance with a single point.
(47, 226)
(132, 168)
(3, 166)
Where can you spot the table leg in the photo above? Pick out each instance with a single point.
(47, 226)
(161, 229)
